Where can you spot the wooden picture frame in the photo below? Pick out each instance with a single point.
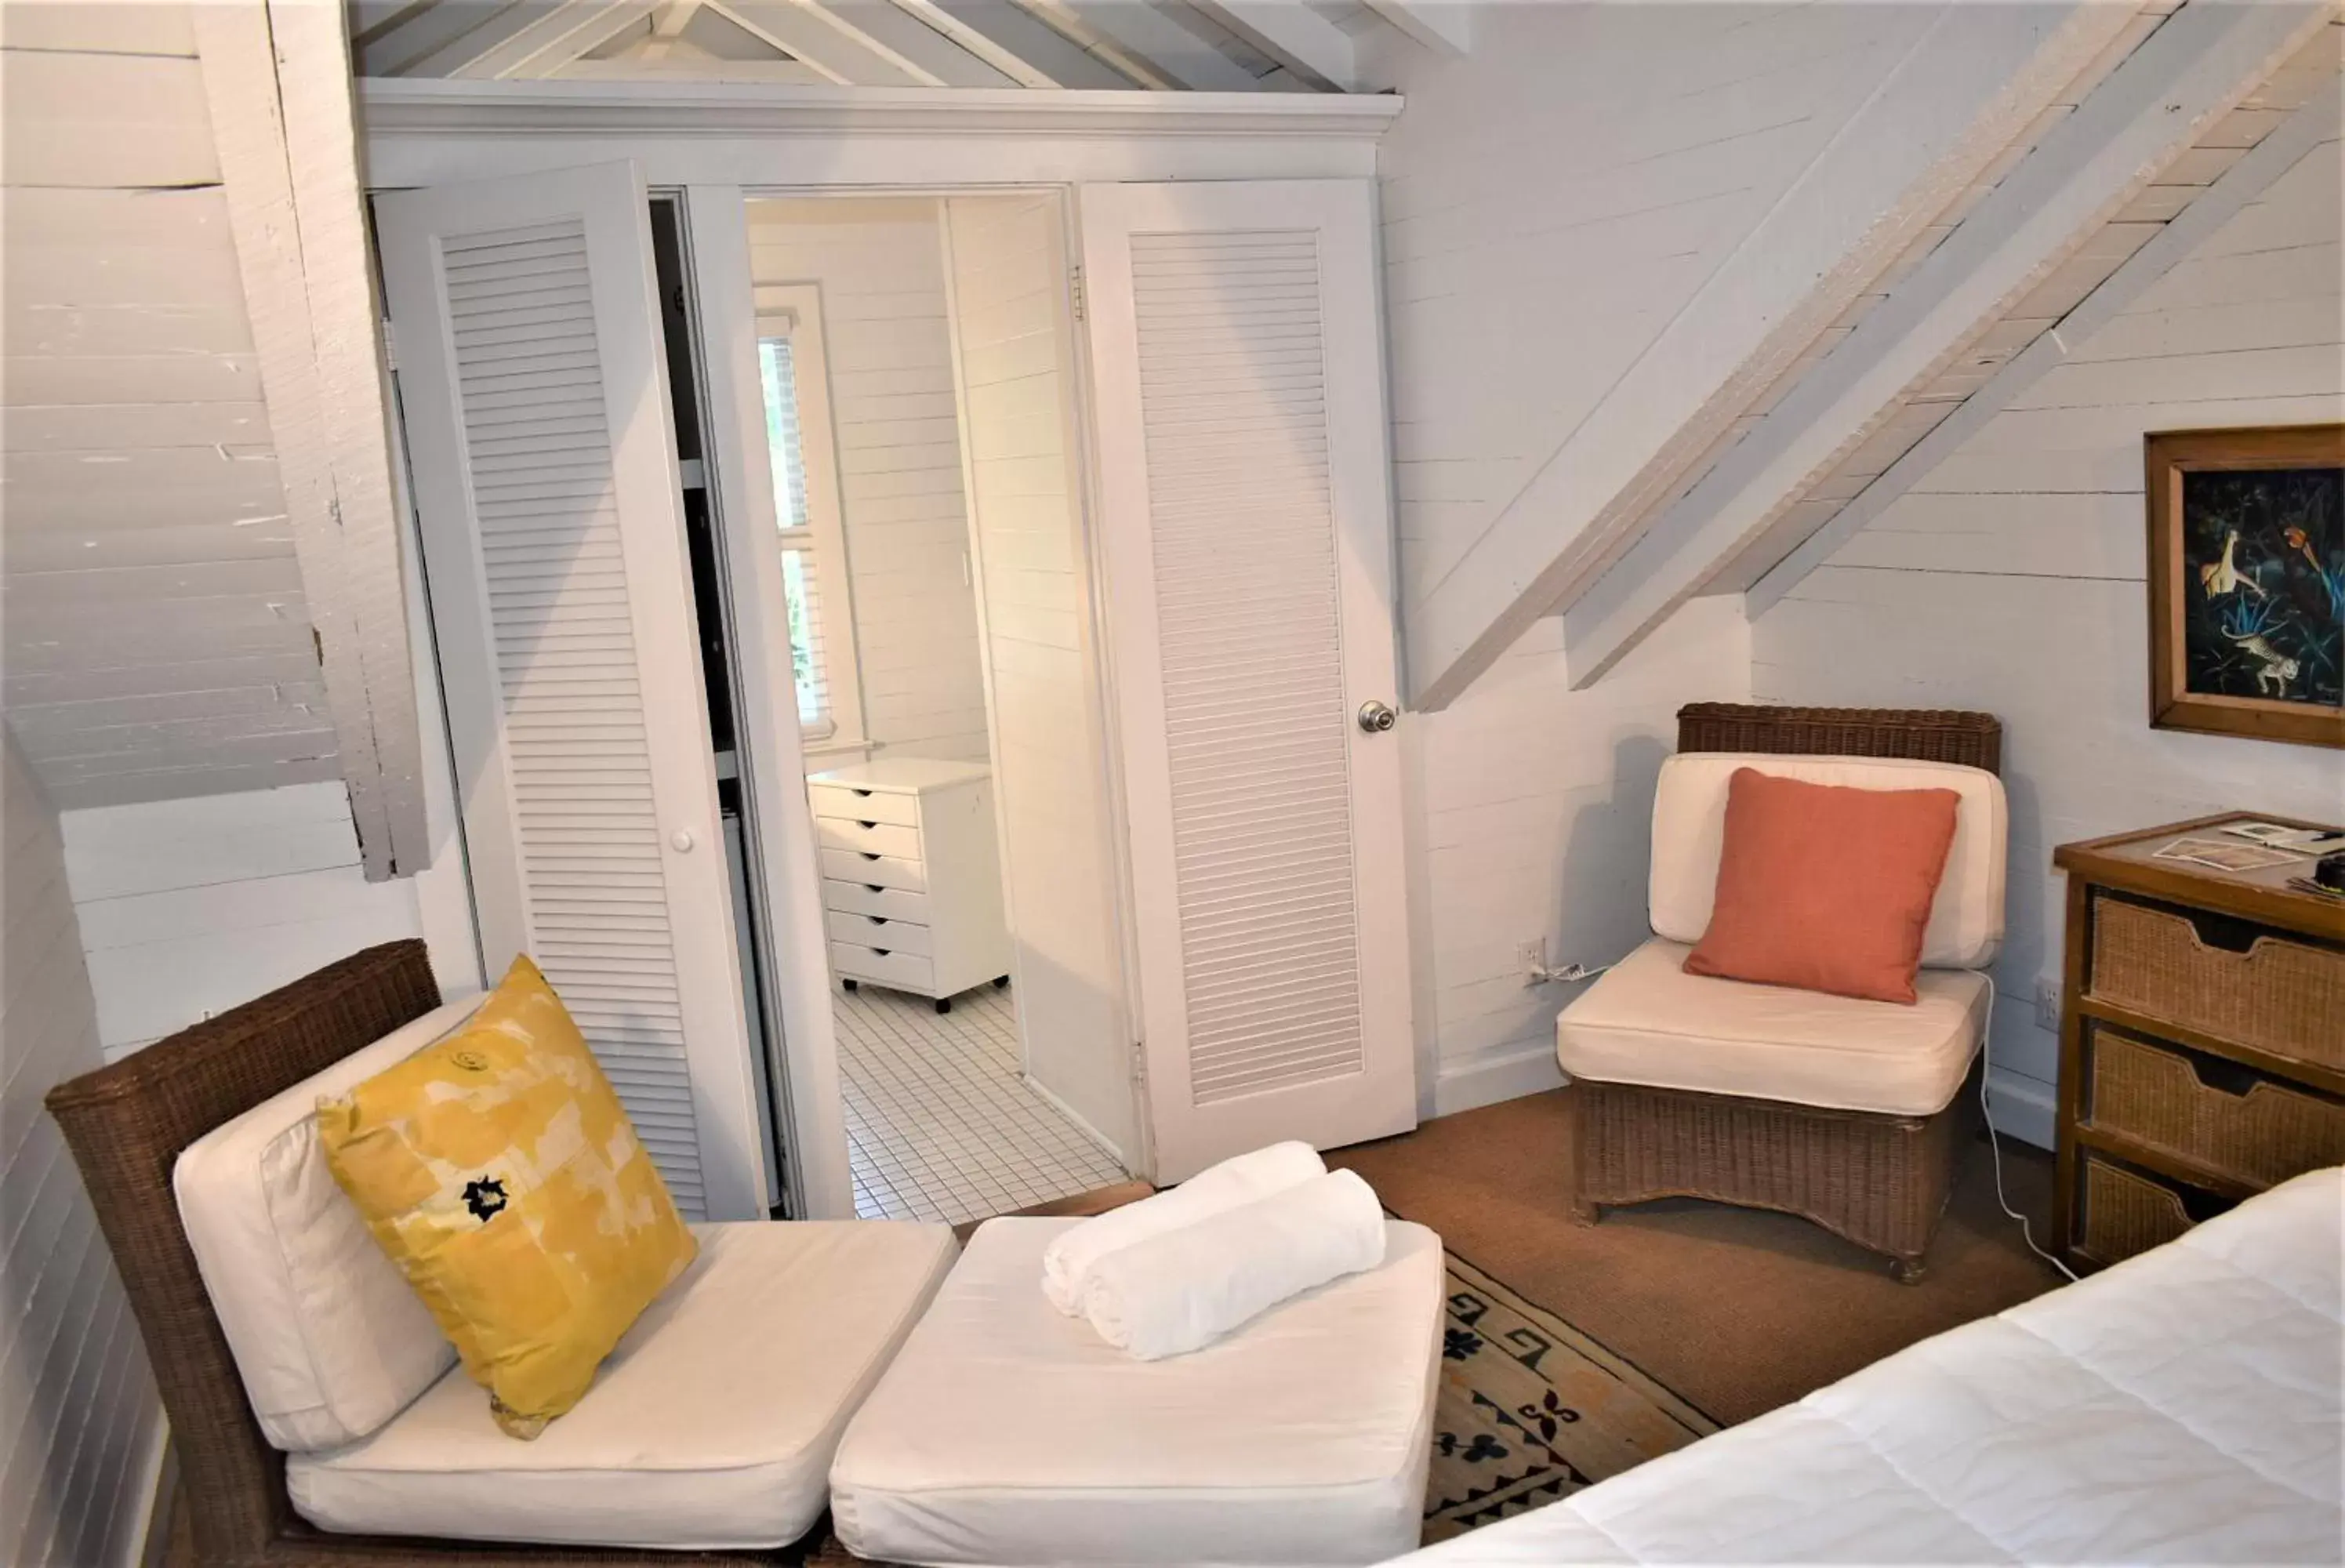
(2247, 581)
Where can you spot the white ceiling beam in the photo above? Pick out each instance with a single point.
(888, 28)
(668, 23)
(278, 83)
(832, 47)
(1443, 26)
(2316, 121)
(420, 39)
(1159, 41)
(1012, 39)
(1077, 28)
(2187, 75)
(1925, 132)
(571, 29)
(1293, 35)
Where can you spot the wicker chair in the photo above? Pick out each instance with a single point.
(1881, 1182)
(127, 1125)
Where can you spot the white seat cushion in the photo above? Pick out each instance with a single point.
(1649, 1022)
(329, 1337)
(1690, 830)
(1007, 1433)
(711, 1426)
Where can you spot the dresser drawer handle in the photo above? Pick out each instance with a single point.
(864, 792)
(869, 854)
(883, 952)
(876, 919)
(866, 824)
(873, 886)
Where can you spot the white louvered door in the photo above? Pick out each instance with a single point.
(1238, 373)
(539, 429)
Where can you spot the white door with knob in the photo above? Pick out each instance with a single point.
(1246, 533)
(536, 409)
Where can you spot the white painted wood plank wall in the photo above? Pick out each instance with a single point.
(907, 524)
(1050, 765)
(2010, 577)
(1553, 199)
(1531, 817)
(81, 1427)
(158, 638)
(190, 907)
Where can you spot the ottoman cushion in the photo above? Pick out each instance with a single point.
(711, 1426)
(1004, 1433)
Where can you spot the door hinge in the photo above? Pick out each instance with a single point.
(390, 346)
(1075, 289)
(1140, 1062)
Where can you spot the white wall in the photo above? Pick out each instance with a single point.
(1531, 818)
(891, 396)
(1554, 198)
(1007, 273)
(81, 1429)
(2011, 579)
(190, 907)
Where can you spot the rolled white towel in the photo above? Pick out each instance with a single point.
(1229, 1185)
(1177, 1291)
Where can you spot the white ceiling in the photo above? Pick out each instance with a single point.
(1221, 45)
(153, 637)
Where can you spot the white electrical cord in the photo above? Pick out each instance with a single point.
(1995, 1145)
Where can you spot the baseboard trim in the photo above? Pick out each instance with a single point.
(1525, 1069)
(158, 1486)
(2021, 1107)
(1107, 1145)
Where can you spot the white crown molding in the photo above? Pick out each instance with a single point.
(395, 107)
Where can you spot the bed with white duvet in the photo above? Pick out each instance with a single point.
(2183, 1407)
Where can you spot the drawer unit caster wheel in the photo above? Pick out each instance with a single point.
(944, 1004)
(999, 981)
(849, 984)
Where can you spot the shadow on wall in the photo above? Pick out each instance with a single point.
(1608, 852)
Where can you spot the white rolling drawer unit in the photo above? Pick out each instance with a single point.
(911, 888)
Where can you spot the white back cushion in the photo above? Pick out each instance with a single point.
(331, 1339)
(1690, 830)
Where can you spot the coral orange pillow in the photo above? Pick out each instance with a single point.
(1825, 887)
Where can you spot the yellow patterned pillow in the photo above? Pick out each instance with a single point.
(500, 1172)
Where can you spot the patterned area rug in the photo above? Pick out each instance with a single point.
(1529, 1410)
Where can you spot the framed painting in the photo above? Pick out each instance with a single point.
(2247, 583)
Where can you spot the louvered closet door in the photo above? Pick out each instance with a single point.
(546, 485)
(1247, 535)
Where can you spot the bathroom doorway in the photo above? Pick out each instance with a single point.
(917, 383)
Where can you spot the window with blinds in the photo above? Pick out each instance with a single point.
(803, 569)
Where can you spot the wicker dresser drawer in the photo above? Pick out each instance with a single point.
(2229, 1119)
(2280, 996)
(2122, 1211)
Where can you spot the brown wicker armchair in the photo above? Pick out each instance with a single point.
(127, 1125)
(1880, 1181)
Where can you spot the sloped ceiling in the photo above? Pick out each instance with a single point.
(154, 641)
(1164, 45)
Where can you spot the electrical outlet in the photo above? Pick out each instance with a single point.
(1530, 960)
(2047, 1005)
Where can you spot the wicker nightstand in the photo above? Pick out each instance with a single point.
(2202, 1039)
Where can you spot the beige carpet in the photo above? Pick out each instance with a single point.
(1735, 1310)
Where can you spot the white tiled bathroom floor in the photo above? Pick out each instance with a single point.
(939, 1124)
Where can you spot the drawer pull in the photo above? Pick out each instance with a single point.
(883, 952)
(872, 886)
(876, 919)
(868, 855)
(864, 792)
(866, 824)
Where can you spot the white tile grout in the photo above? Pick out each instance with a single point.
(940, 1123)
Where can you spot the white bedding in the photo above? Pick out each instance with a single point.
(2183, 1407)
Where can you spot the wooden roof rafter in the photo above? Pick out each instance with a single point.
(1209, 45)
